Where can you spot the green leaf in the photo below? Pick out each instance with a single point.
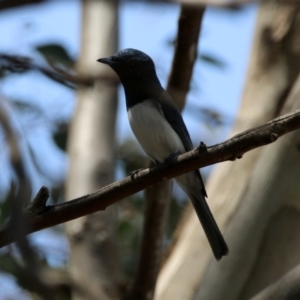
(55, 53)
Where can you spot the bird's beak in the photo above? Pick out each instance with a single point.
(106, 60)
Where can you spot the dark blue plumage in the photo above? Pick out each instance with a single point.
(161, 131)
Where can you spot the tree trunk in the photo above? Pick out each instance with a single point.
(249, 197)
(94, 261)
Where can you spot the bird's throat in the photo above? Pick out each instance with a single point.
(136, 91)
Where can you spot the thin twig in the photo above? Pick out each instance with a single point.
(17, 64)
(7, 4)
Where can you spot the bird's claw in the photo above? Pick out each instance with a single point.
(169, 160)
(133, 173)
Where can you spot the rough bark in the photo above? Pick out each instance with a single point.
(245, 197)
(94, 257)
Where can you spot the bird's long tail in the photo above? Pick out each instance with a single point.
(211, 229)
(195, 190)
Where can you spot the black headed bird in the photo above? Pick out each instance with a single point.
(159, 128)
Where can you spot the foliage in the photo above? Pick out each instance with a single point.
(56, 54)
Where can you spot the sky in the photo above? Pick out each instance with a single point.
(225, 35)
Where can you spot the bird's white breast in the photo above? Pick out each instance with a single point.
(153, 132)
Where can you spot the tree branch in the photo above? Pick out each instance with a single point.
(194, 159)
(7, 4)
(158, 199)
(17, 64)
(189, 26)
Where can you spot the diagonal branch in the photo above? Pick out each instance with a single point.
(194, 159)
(17, 64)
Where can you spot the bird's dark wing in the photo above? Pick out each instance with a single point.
(174, 117)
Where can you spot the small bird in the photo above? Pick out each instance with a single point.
(159, 128)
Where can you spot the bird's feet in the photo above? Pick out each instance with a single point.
(170, 160)
(133, 173)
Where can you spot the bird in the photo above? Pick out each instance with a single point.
(160, 130)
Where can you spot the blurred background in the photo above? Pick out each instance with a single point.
(63, 124)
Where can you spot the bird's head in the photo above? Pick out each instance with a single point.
(130, 64)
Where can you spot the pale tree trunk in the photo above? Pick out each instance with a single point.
(94, 263)
(256, 198)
